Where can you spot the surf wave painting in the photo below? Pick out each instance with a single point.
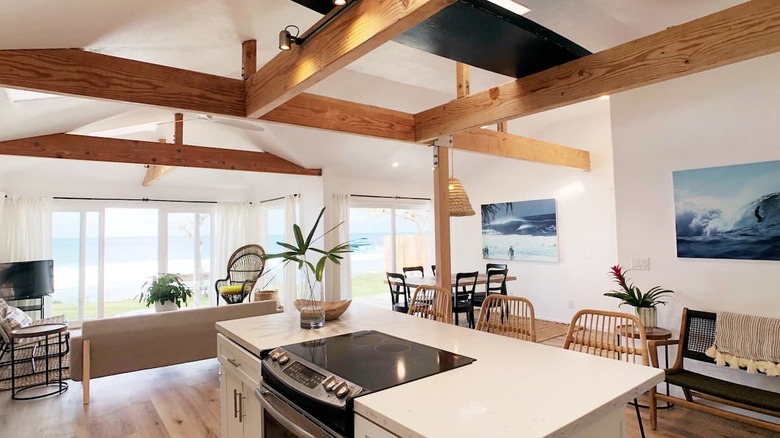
(525, 230)
(730, 212)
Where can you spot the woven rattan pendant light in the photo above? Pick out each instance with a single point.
(460, 205)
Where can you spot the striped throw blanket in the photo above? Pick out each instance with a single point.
(747, 341)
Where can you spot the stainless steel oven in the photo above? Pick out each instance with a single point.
(308, 389)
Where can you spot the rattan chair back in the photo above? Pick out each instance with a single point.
(508, 316)
(603, 333)
(432, 302)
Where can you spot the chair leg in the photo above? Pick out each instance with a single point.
(653, 410)
(688, 395)
(639, 419)
(456, 318)
(85, 372)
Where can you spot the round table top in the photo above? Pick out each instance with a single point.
(651, 334)
(38, 330)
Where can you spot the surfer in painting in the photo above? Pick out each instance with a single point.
(758, 215)
(511, 253)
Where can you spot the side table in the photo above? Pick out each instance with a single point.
(34, 331)
(654, 334)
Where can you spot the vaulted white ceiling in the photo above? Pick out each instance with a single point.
(206, 36)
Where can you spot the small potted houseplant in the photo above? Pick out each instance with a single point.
(311, 270)
(167, 292)
(643, 303)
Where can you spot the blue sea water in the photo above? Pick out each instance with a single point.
(753, 235)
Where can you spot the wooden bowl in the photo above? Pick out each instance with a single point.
(333, 309)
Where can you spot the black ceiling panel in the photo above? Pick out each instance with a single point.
(481, 34)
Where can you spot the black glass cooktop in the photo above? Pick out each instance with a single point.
(376, 360)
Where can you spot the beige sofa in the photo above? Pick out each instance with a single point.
(132, 343)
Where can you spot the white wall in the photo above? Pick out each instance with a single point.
(716, 118)
(585, 209)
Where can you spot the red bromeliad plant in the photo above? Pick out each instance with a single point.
(632, 295)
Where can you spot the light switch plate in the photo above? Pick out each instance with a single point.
(640, 263)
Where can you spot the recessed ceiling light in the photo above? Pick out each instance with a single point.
(15, 95)
(396, 164)
(511, 6)
(604, 97)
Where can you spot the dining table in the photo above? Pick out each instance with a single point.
(415, 281)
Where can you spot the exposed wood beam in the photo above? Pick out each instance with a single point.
(462, 79)
(79, 73)
(506, 145)
(248, 58)
(341, 116)
(745, 31)
(93, 75)
(358, 29)
(441, 216)
(178, 129)
(154, 172)
(502, 126)
(82, 147)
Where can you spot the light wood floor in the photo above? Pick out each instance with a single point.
(183, 401)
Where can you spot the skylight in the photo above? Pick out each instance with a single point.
(511, 6)
(15, 95)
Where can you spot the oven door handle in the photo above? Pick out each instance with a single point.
(287, 416)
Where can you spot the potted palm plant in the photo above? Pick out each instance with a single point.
(311, 270)
(167, 292)
(643, 303)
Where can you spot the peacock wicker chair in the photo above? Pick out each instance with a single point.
(244, 267)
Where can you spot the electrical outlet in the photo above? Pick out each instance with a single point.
(640, 263)
(571, 304)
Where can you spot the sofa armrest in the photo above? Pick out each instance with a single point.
(76, 356)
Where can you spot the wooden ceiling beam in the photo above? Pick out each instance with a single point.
(85, 74)
(745, 31)
(82, 147)
(337, 115)
(505, 145)
(93, 75)
(361, 27)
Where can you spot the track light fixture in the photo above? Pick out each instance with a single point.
(339, 2)
(286, 39)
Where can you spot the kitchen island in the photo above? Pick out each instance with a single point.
(514, 389)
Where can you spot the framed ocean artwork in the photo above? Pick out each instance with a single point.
(729, 212)
(523, 230)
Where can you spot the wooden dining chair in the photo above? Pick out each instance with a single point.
(432, 302)
(465, 286)
(508, 316)
(398, 290)
(609, 334)
(409, 269)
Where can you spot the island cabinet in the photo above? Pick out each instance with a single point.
(240, 411)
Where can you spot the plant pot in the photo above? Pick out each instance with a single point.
(648, 316)
(167, 307)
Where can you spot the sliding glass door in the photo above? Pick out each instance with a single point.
(105, 257)
(392, 235)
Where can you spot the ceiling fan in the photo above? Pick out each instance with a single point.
(249, 126)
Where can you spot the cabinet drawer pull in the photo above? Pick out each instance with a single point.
(235, 403)
(234, 362)
(241, 413)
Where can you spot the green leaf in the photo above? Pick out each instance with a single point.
(320, 268)
(299, 238)
(314, 228)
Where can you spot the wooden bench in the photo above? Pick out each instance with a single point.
(697, 334)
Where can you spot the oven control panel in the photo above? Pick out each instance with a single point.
(310, 379)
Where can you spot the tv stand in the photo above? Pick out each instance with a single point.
(37, 307)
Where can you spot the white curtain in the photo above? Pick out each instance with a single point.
(290, 271)
(338, 278)
(235, 224)
(25, 228)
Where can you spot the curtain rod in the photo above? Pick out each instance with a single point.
(74, 198)
(276, 199)
(391, 197)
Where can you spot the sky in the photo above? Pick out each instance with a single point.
(527, 208)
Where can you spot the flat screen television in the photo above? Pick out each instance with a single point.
(23, 280)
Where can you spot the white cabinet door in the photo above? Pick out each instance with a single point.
(367, 429)
(234, 388)
(253, 414)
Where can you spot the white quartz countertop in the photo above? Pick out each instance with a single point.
(515, 388)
